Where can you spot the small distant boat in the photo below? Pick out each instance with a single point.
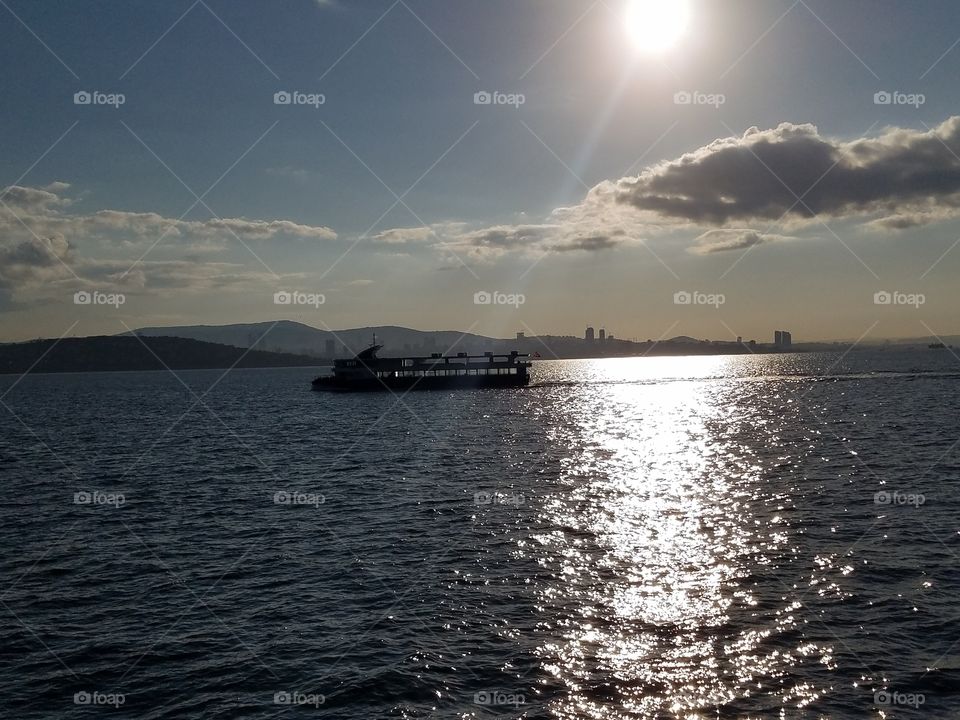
(937, 346)
(366, 372)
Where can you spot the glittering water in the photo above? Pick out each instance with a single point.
(745, 537)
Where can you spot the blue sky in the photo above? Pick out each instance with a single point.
(305, 198)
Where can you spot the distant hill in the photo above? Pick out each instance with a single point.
(293, 337)
(128, 353)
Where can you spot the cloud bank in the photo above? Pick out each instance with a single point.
(789, 176)
(40, 241)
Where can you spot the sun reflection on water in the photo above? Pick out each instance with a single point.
(655, 544)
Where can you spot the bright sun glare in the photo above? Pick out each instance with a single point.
(655, 25)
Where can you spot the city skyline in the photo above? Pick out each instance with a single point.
(211, 157)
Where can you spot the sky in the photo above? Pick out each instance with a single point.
(490, 166)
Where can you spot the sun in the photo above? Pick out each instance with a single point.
(656, 25)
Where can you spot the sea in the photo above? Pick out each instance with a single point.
(772, 536)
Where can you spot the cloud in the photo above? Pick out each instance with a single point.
(41, 243)
(899, 179)
(36, 262)
(591, 243)
(41, 211)
(180, 275)
(501, 237)
(760, 175)
(29, 199)
(35, 259)
(405, 236)
(260, 229)
(714, 241)
(484, 245)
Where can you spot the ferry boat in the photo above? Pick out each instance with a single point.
(367, 372)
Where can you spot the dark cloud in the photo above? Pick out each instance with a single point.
(32, 258)
(510, 236)
(591, 243)
(760, 175)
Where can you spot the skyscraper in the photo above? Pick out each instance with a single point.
(783, 339)
(588, 336)
(603, 334)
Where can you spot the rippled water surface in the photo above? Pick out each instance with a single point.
(732, 537)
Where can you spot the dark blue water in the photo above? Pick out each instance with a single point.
(745, 537)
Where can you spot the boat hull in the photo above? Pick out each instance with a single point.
(406, 384)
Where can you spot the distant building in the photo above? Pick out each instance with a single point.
(783, 340)
(739, 340)
(588, 335)
(519, 336)
(603, 335)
